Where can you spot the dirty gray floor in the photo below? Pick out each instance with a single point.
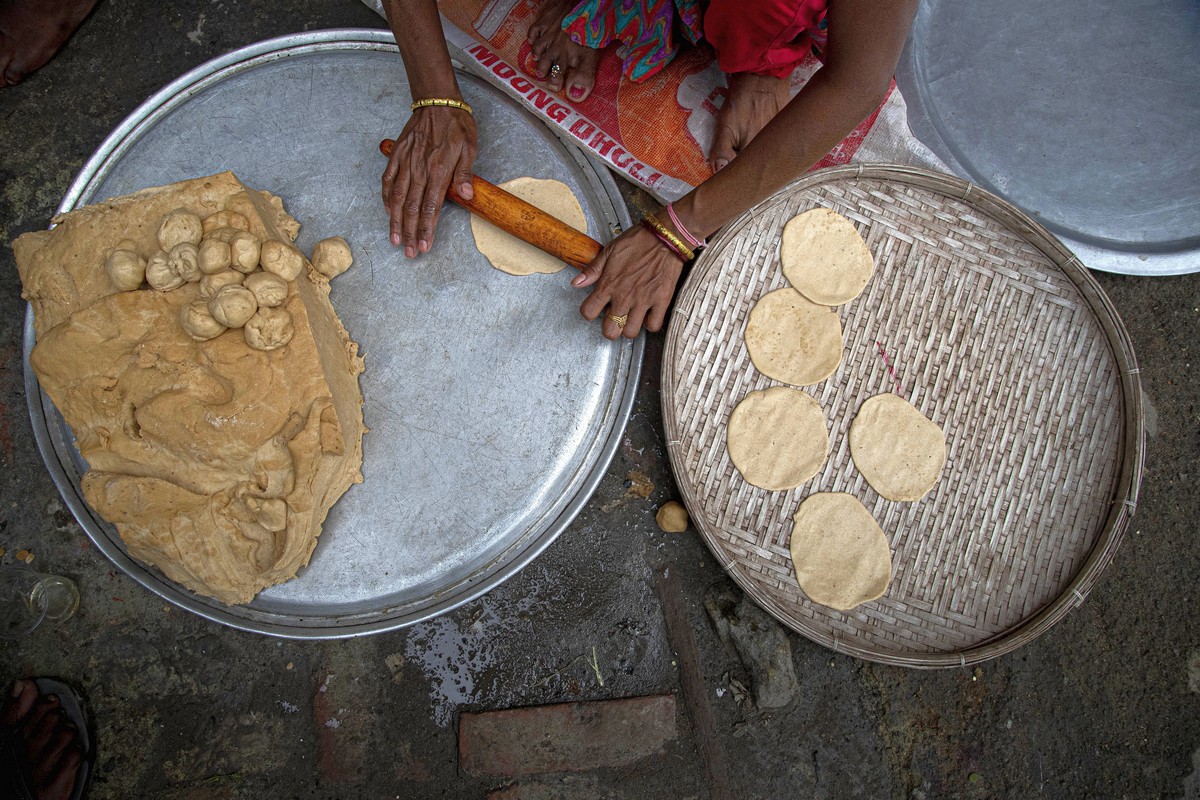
(1104, 705)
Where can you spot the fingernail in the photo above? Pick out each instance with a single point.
(721, 163)
(410, 251)
(578, 280)
(466, 191)
(395, 238)
(577, 92)
(18, 687)
(423, 246)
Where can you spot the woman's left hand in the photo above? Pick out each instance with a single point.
(634, 278)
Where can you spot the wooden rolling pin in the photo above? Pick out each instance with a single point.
(527, 222)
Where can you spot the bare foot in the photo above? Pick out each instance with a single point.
(752, 102)
(552, 47)
(42, 743)
(32, 31)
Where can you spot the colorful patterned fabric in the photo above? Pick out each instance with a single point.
(648, 32)
(768, 37)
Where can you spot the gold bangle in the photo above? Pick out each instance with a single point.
(674, 241)
(441, 101)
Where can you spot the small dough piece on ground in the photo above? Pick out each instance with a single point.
(509, 254)
(672, 517)
(896, 448)
(839, 552)
(792, 339)
(824, 258)
(777, 438)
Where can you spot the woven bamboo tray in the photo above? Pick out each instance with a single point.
(992, 329)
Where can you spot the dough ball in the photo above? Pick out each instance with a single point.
(509, 254)
(269, 328)
(184, 261)
(672, 517)
(225, 219)
(211, 284)
(331, 257)
(178, 227)
(839, 552)
(198, 322)
(244, 247)
(282, 259)
(777, 438)
(160, 275)
(233, 305)
(824, 258)
(792, 339)
(244, 251)
(215, 256)
(224, 234)
(896, 448)
(269, 290)
(126, 269)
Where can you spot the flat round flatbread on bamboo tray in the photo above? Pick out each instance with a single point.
(992, 329)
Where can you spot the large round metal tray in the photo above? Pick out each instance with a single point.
(990, 327)
(493, 407)
(1083, 114)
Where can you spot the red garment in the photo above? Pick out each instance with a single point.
(766, 37)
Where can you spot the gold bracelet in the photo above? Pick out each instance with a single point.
(441, 101)
(664, 233)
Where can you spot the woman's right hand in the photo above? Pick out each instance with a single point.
(436, 147)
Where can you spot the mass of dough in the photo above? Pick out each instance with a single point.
(839, 552)
(509, 254)
(793, 340)
(896, 448)
(217, 462)
(777, 438)
(824, 258)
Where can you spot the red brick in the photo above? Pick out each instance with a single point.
(565, 737)
(558, 790)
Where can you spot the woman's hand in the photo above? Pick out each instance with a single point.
(633, 277)
(436, 147)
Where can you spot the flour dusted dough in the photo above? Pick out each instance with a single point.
(824, 258)
(792, 339)
(841, 557)
(216, 462)
(777, 438)
(896, 448)
(509, 254)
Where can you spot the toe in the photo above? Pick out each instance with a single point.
(583, 77)
(46, 762)
(45, 706)
(722, 148)
(21, 699)
(61, 781)
(555, 77)
(42, 734)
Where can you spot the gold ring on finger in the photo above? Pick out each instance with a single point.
(619, 321)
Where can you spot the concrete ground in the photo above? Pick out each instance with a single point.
(1104, 705)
